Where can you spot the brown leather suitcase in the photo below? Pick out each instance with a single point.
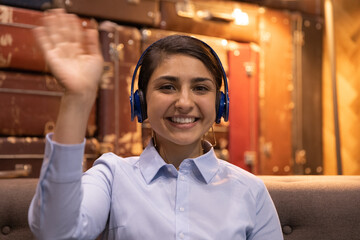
(275, 93)
(19, 49)
(121, 51)
(29, 104)
(307, 119)
(244, 106)
(144, 12)
(224, 19)
(23, 156)
(31, 4)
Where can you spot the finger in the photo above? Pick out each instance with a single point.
(77, 30)
(42, 39)
(73, 33)
(52, 25)
(60, 25)
(54, 21)
(91, 42)
(70, 27)
(55, 10)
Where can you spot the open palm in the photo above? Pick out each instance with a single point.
(71, 51)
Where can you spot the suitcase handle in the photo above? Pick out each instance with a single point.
(21, 170)
(187, 10)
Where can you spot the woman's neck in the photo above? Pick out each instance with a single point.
(174, 154)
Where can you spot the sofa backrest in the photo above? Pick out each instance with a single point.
(309, 207)
(317, 207)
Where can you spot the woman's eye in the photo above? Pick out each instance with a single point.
(167, 87)
(201, 89)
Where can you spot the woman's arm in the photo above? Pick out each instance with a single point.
(73, 55)
(58, 209)
(267, 223)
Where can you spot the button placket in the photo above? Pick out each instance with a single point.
(182, 198)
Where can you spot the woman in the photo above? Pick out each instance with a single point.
(177, 188)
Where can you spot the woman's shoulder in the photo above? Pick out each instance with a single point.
(113, 161)
(240, 175)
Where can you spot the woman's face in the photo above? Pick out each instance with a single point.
(180, 99)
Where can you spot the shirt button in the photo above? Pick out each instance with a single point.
(182, 209)
(182, 178)
(181, 235)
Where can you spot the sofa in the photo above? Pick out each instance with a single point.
(309, 207)
(317, 207)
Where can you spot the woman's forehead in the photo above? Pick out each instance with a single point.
(181, 64)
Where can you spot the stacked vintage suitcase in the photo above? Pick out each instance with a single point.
(29, 97)
(261, 136)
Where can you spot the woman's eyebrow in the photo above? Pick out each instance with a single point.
(176, 79)
(203, 79)
(168, 78)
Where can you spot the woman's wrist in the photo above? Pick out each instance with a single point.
(73, 116)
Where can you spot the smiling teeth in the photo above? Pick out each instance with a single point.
(182, 120)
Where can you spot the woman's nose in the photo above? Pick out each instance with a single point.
(184, 100)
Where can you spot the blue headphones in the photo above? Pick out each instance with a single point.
(138, 103)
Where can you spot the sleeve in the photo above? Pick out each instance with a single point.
(63, 207)
(267, 223)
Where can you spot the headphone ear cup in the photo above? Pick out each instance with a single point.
(143, 107)
(137, 106)
(220, 111)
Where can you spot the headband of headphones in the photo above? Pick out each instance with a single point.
(136, 98)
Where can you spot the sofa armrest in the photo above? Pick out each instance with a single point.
(16, 195)
(317, 207)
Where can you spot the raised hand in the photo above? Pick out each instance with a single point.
(71, 51)
(73, 55)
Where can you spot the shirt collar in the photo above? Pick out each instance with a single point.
(208, 163)
(150, 163)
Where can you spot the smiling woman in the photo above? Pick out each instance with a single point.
(178, 106)
(177, 188)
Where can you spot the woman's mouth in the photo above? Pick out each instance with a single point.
(183, 120)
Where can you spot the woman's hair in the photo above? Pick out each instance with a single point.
(178, 44)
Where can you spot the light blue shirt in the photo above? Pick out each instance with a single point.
(145, 198)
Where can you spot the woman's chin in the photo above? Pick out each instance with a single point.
(181, 141)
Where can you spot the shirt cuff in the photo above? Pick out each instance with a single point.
(62, 162)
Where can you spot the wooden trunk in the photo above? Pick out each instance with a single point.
(19, 49)
(212, 18)
(29, 104)
(23, 156)
(244, 110)
(136, 12)
(307, 95)
(121, 51)
(347, 42)
(29, 4)
(275, 93)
